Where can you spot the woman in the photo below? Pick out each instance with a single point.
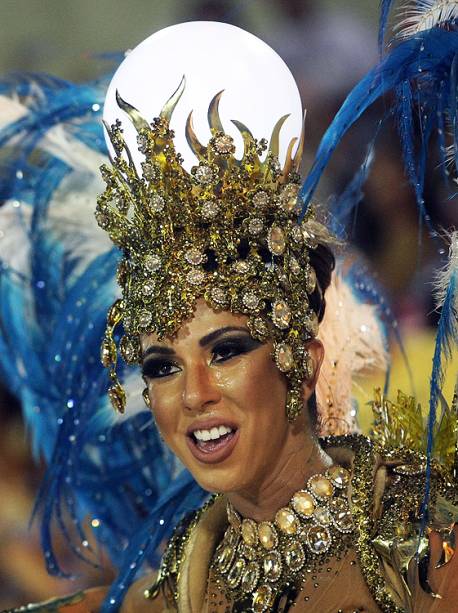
(213, 289)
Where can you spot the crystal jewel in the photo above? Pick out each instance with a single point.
(235, 574)
(288, 197)
(194, 256)
(144, 318)
(250, 300)
(294, 556)
(318, 539)
(152, 263)
(321, 487)
(249, 531)
(225, 558)
(247, 551)
(284, 357)
(203, 174)
(262, 599)
(117, 397)
(255, 226)
(224, 144)
(267, 535)
(219, 295)
(303, 503)
(152, 172)
(148, 288)
(195, 277)
(281, 314)
(261, 199)
(339, 476)
(322, 516)
(272, 566)
(250, 578)
(128, 350)
(286, 521)
(311, 322)
(157, 203)
(210, 209)
(242, 267)
(276, 240)
(294, 266)
(296, 234)
(260, 326)
(341, 515)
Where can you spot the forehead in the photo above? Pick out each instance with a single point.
(204, 321)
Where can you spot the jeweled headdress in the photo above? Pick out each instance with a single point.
(227, 230)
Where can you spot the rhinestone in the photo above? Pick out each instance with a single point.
(152, 172)
(144, 318)
(321, 487)
(203, 174)
(288, 197)
(303, 503)
(235, 574)
(308, 366)
(262, 599)
(247, 551)
(233, 517)
(296, 234)
(311, 323)
(225, 557)
(157, 203)
(322, 516)
(241, 267)
(310, 280)
(148, 289)
(272, 566)
(267, 535)
(194, 256)
(284, 357)
(219, 295)
(250, 578)
(261, 199)
(255, 226)
(339, 476)
(128, 349)
(318, 539)
(152, 263)
(260, 326)
(341, 515)
(281, 314)
(294, 266)
(195, 277)
(210, 209)
(249, 532)
(224, 144)
(250, 300)
(276, 240)
(295, 557)
(287, 521)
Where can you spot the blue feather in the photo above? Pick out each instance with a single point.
(385, 8)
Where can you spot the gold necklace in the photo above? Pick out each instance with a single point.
(259, 560)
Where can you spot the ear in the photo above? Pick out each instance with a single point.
(316, 351)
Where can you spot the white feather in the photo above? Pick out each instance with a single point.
(444, 276)
(422, 15)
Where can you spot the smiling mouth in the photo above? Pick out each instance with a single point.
(214, 444)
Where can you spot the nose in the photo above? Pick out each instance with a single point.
(200, 390)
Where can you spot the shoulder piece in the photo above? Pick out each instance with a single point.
(169, 570)
(388, 485)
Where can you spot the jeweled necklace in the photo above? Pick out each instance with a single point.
(258, 560)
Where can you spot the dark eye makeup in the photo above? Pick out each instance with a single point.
(222, 350)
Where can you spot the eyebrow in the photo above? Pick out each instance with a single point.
(203, 342)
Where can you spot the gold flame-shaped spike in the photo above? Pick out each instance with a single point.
(139, 122)
(169, 106)
(300, 148)
(249, 144)
(196, 146)
(274, 144)
(289, 164)
(214, 120)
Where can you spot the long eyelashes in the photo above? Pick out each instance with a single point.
(222, 351)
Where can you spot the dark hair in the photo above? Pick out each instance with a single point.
(323, 262)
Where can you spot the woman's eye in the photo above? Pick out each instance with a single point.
(156, 369)
(229, 349)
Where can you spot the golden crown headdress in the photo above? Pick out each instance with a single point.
(227, 231)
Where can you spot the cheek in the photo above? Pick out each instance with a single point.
(164, 402)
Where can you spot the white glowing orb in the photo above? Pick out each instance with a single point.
(258, 86)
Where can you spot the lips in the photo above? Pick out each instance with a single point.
(212, 441)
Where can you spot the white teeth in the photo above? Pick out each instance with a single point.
(213, 434)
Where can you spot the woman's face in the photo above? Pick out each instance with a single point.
(218, 398)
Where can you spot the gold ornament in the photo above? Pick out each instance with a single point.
(227, 231)
(146, 397)
(257, 561)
